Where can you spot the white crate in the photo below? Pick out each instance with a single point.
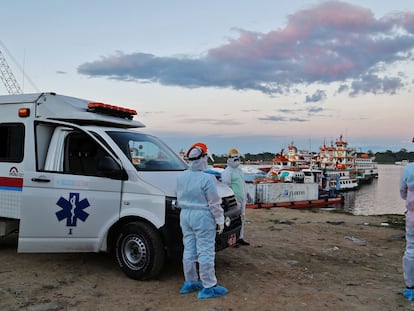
(285, 192)
(251, 193)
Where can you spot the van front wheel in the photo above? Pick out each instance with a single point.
(139, 251)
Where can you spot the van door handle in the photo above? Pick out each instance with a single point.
(40, 180)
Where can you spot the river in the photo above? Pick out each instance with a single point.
(380, 197)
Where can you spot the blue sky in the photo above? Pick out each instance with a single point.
(234, 74)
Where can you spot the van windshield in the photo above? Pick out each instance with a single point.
(146, 152)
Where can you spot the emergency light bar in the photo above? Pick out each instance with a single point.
(111, 110)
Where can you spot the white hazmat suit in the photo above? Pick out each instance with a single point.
(407, 193)
(201, 213)
(233, 177)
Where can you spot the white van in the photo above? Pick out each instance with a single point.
(77, 176)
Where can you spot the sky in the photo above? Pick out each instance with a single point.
(252, 75)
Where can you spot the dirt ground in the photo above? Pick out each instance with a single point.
(297, 260)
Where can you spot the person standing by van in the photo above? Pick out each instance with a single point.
(407, 193)
(234, 178)
(201, 213)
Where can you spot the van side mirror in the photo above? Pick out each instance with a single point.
(108, 167)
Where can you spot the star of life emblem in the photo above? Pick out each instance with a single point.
(72, 210)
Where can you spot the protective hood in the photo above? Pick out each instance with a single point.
(199, 165)
(233, 162)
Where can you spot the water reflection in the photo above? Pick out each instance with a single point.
(380, 197)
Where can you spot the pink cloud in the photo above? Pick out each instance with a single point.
(331, 42)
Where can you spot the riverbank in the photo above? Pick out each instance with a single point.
(297, 260)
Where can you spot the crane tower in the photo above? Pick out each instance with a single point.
(8, 78)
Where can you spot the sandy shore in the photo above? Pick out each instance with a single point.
(298, 260)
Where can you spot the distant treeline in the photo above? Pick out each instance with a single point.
(387, 157)
(266, 157)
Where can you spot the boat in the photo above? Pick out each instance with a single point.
(288, 167)
(402, 162)
(341, 180)
(315, 191)
(337, 156)
(366, 168)
(319, 203)
(312, 175)
(322, 202)
(295, 159)
(266, 194)
(280, 162)
(298, 158)
(337, 162)
(291, 176)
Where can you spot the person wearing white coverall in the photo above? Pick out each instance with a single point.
(201, 213)
(407, 193)
(234, 178)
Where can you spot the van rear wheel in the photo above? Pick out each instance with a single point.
(139, 251)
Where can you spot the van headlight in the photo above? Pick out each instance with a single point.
(171, 204)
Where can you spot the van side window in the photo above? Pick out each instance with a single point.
(12, 142)
(82, 155)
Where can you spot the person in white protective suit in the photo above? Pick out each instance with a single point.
(407, 193)
(201, 218)
(234, 178)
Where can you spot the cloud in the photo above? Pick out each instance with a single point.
(250, 110)
(318, 96)
(376, 85)
(210, 121)
(331, 42)
(282, 119)
(343, 88)
(148, 113)
(297, 113)
(284, 110)
(314, 110)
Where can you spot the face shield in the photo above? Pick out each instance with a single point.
(197, 156)
(193, 154)
(234, 161)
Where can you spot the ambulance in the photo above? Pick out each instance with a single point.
(82, 176)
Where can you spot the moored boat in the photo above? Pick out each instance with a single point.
(403, 162)
(366, 168)
(342, 180)
(338, 164)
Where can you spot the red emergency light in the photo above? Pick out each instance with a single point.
(24, 112)
(111, 110)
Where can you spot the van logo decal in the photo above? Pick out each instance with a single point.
(72, 209)
(15, 172)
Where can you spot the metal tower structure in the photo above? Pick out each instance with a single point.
(8, 78)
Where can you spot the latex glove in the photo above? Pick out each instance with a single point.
(220, 228)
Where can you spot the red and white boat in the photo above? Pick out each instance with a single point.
(337, 162)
